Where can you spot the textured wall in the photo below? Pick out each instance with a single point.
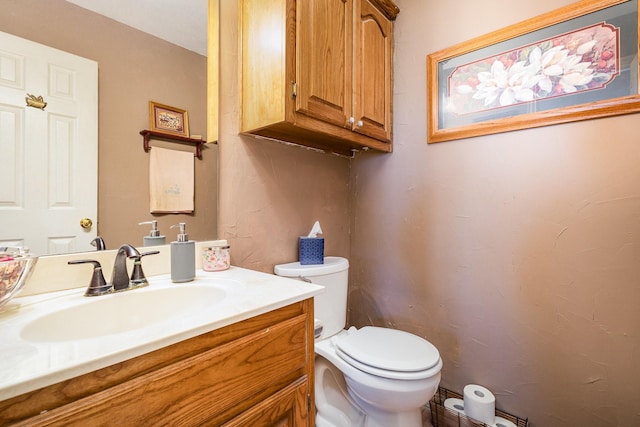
(517, 254)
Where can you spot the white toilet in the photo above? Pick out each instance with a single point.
(370, 377)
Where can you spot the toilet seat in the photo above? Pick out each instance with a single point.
(387, 353)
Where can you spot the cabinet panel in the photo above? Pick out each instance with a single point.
(264, 86)
(288, 407)
(323, 50)
(372, 72)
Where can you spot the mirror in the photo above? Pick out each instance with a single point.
(133, 69)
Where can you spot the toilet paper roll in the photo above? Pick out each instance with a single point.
(501, 422)
(479, 404)
(454, 404)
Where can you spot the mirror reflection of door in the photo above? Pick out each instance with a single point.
(48, 157)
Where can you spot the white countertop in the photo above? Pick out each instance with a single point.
(26, 365)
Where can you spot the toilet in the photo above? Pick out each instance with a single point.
(369, 377)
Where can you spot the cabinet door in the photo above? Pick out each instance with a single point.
(372, 77)
(324, 31)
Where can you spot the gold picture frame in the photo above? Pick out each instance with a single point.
(166, 119)
(473, 89)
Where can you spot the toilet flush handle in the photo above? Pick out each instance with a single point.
(304, 279)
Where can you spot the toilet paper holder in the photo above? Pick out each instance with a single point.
(444, 417)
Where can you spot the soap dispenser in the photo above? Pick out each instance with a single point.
(183, 256)
(154, 238)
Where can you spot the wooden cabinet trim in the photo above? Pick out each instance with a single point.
(387, 7)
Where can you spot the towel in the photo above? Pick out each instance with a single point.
(171, 181)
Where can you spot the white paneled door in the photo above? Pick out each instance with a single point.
(48, 154)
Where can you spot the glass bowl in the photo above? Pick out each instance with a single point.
(15, 268)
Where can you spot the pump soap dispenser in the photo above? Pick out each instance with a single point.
(183, 256)
(154, 238)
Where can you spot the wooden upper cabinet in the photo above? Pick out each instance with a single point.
(318, 72)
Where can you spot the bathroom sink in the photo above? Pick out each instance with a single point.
(121, 312)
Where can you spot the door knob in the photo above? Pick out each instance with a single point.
(86, 223)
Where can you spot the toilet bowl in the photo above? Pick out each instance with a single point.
(370, 377)
(334, 407)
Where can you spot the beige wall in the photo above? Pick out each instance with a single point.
(518, 254)
(271, 193)
(134, 68)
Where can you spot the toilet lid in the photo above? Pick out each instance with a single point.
(386, 349)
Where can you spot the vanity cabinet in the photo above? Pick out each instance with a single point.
(318, 72)
(257, 372)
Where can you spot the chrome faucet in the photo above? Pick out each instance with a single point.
(120, 280)
(120, 275)
(98, 243)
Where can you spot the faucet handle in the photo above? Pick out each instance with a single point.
(138, 278)
(97, 285)
(149, 253)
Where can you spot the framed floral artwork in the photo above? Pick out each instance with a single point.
(166, 119)
(575, 63)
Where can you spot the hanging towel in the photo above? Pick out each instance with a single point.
(171, 181)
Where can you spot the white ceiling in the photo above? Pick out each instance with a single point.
(181, 22)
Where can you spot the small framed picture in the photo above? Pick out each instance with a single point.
(163, 118)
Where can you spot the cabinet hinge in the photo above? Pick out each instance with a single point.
(308, 402)
(294, 89)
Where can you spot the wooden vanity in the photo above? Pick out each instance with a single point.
(256, 372)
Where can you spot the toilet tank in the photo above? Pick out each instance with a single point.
(330, 306)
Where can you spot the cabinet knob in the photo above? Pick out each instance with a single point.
(359, 124)
(351, 120)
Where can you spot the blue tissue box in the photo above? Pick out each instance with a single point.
(311, 250)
